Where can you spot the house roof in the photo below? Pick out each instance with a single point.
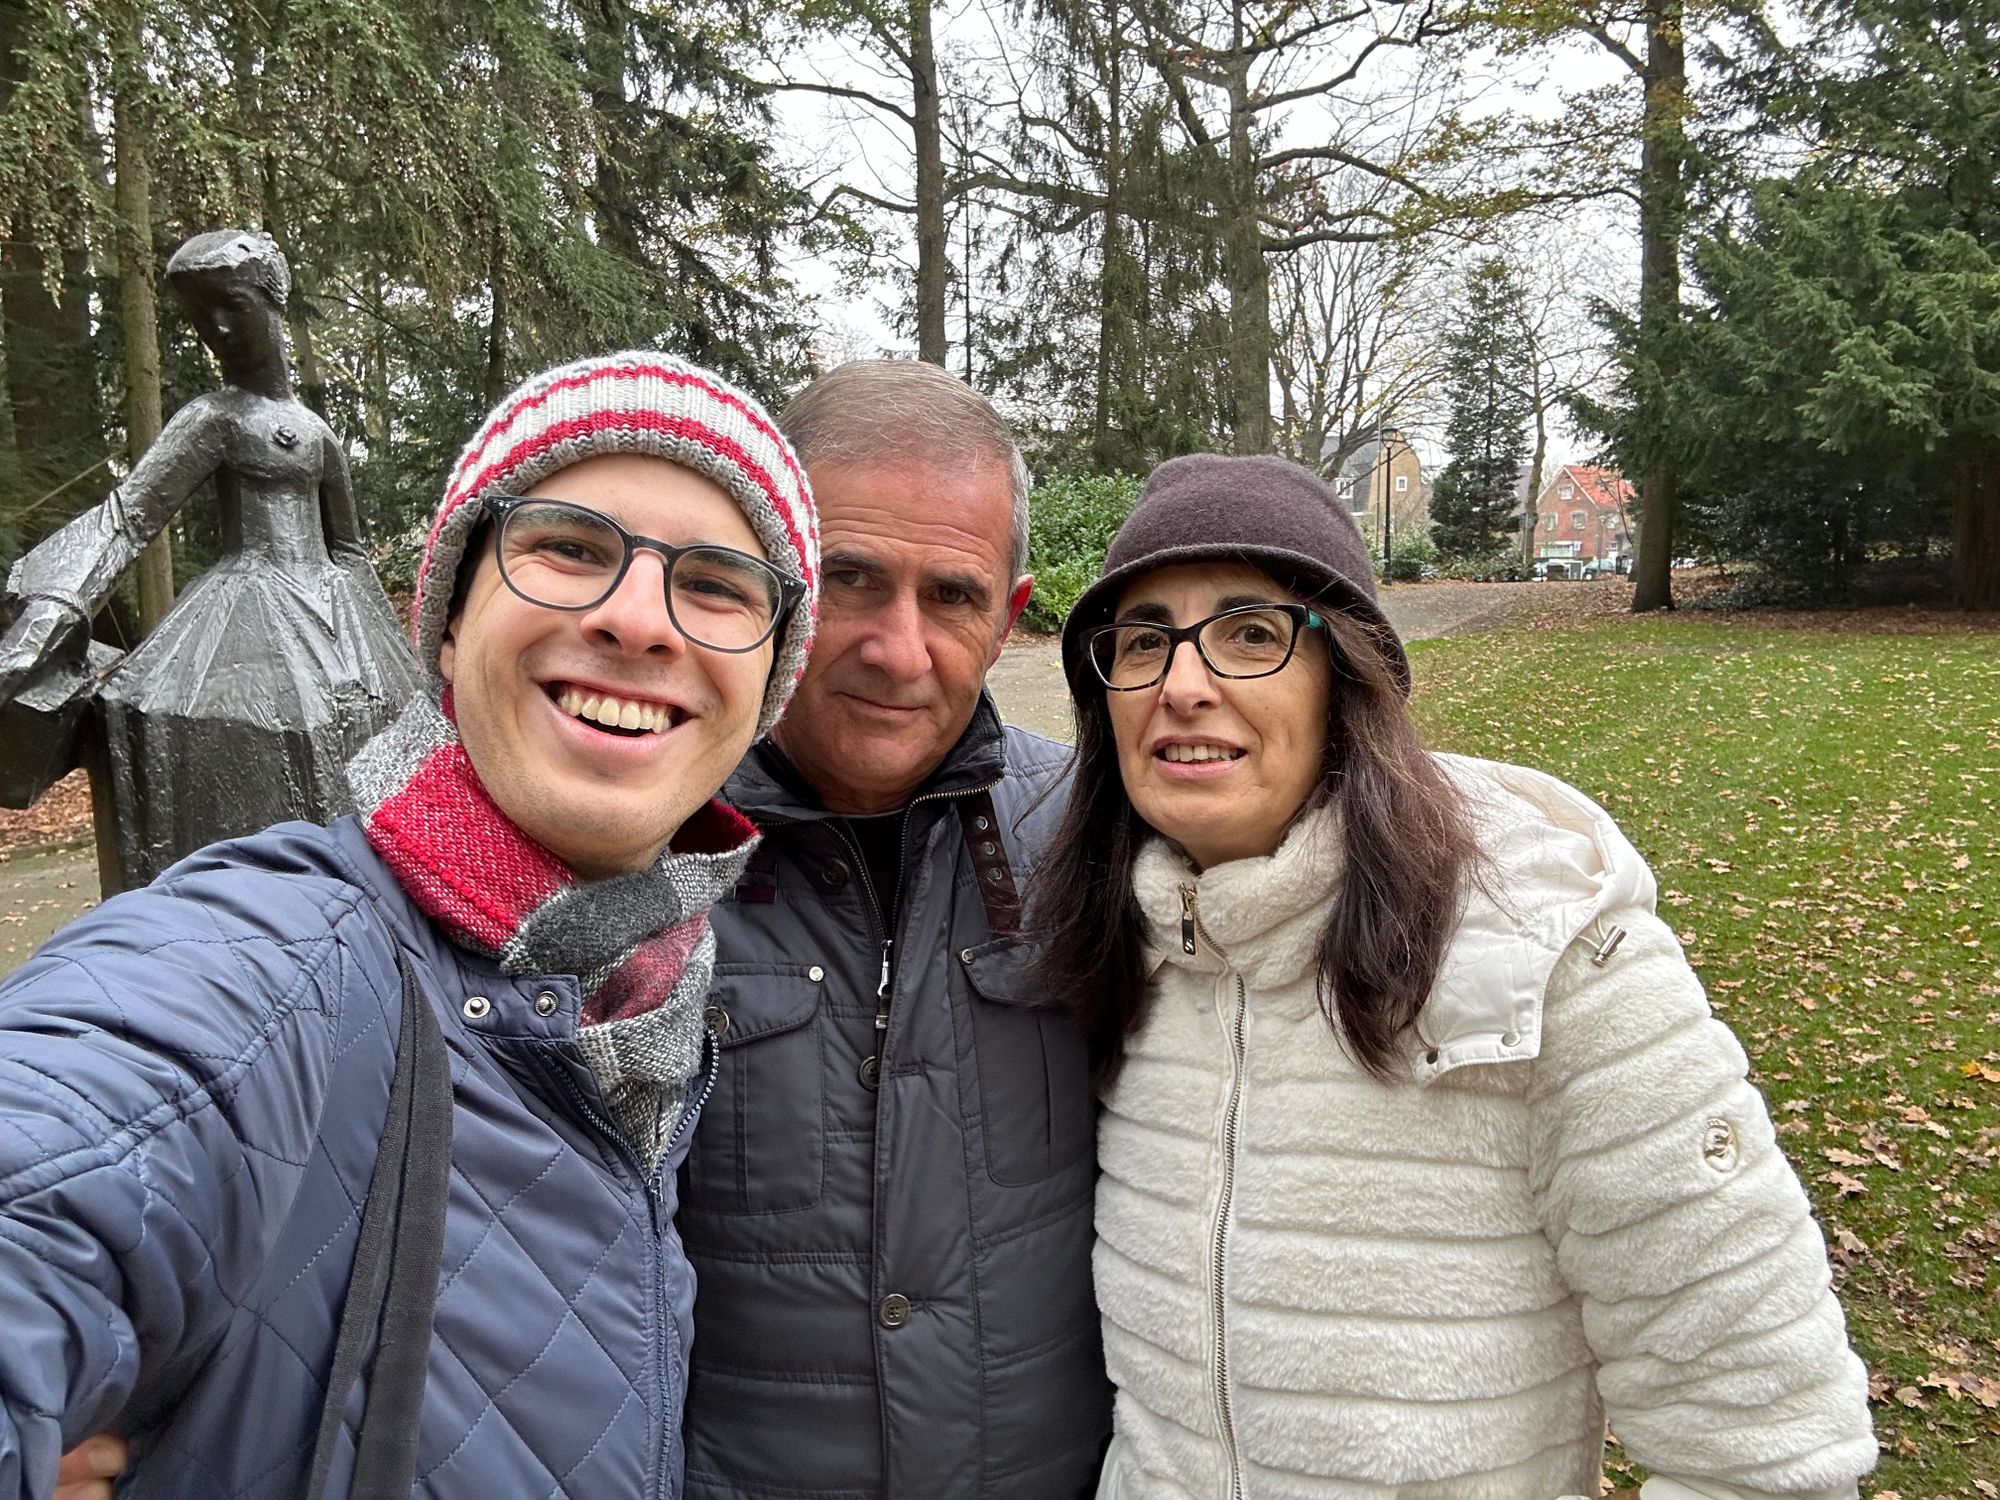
(1599, 484)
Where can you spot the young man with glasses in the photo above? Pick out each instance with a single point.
(405, 1095)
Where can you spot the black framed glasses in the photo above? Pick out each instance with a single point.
(561, 555)
(1251, 640)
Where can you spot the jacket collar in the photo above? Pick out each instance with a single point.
(1555, 866)
(768, 788)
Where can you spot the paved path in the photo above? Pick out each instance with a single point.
(40, 891)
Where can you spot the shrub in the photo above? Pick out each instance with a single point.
(1071, 520)
(1410, 553)
(1494, 567)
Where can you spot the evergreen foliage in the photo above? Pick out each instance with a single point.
(1071, 521)
(1839, 390)
(1486, 434)
(465, 192)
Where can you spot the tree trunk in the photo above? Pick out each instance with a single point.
(496, 326)
(138, 307)
(1661, 198)
(932, 248)
(51, 385)
(611, 198)
(309, 382)
(1249, 290)
(1529, 515)
(1111, 242)
(1975, 533)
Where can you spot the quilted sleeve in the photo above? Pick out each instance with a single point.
(1677, 1222)
(162, 1067)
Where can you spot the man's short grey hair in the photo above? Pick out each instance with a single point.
(869, 411)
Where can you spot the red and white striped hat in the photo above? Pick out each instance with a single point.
(635, 402)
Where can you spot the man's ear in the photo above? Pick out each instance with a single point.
(1016, 602)
(448, 648)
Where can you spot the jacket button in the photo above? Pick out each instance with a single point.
(545, 1003)
(1510, 1038)
(965, 955)
(980, 823)
(717, 1021)
(894, 1311)
(476, 1007)
(833, 876)
(870, 1072)
(815, 973)
(1431, 1056)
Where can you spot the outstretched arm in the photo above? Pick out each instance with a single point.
(163, 1066)
(1722, 1354)
(80, 564)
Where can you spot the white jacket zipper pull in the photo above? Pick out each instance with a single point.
(1187, 919)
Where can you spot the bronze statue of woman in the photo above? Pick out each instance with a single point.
(244, 704)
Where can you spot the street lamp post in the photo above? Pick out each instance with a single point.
(1384, 436)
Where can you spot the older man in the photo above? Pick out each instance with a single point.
(888, 1196)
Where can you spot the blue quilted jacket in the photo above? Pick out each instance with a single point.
(192, 1079)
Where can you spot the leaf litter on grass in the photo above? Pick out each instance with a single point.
(1819, 808)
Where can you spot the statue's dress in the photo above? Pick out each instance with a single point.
(243, 706)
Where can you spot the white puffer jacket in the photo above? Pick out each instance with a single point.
(1316, 1287)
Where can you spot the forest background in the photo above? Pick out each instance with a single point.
(1746, 254)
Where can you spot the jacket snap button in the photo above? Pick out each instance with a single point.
(965, 955)
(545, 1003)
(717, 1021)
(476, 1007)
(815, 973)
(989, 847)
(1719, 1145)
(833, 876)
(980, 823)
(894, 1311)
(1431, 1056)
(1509, 1038)
(870, 1071)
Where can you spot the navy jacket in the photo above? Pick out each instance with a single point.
(895, 1268)
(192, 1079)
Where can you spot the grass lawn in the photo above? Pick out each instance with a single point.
(1823, 814)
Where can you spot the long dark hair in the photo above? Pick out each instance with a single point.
(1410, 852)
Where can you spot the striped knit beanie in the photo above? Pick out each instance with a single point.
(635, 402)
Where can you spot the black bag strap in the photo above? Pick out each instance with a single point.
(392, 1290)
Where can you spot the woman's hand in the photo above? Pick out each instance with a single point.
(86, 1471)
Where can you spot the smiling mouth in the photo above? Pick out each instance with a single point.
(1194, 754)
(615, 715)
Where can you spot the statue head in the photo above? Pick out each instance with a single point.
(239, 255)
(232, 284)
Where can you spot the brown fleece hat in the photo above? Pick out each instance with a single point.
(1265, 511)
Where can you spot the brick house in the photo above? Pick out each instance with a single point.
(1582, 513)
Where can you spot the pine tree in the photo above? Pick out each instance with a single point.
(1488, 391)
(1841, 377)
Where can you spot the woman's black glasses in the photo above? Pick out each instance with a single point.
(1252, 640)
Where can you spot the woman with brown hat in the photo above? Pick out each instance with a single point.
(1421, 1151)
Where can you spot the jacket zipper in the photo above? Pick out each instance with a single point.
(655, 1193)
(885, 981)
(1225, 1421)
